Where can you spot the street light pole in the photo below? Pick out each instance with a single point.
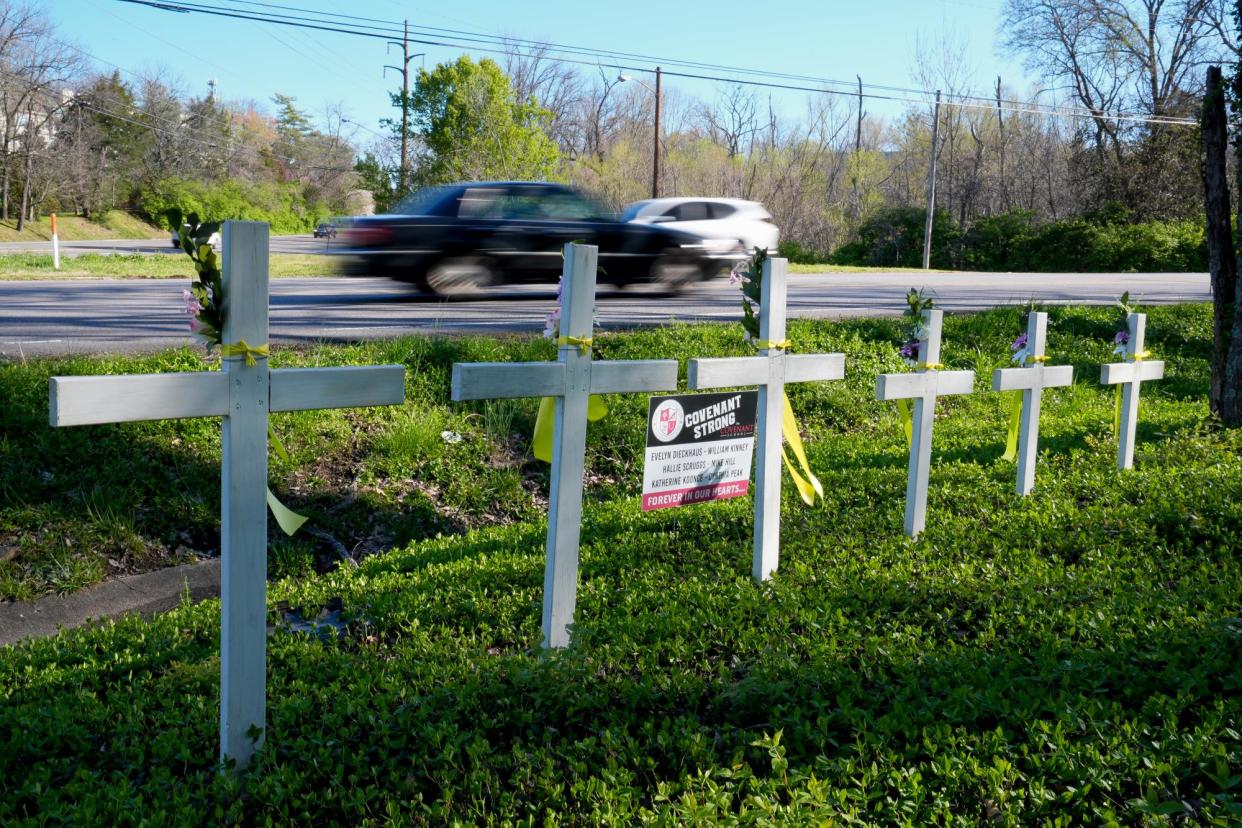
(655, 148)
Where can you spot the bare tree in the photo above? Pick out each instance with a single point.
(554, 85)
(36, 70)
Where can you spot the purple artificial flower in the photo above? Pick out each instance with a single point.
(910, 350)
(1019, 343)
(737, 274)
(1122, 338)
(552, 323)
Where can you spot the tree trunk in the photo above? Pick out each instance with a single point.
(1222, 261)
(1227, 305)
(21, 216)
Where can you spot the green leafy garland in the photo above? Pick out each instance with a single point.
(749, 274)
(204, 301)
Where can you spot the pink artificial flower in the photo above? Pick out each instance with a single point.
(195, 326)
(192, 306)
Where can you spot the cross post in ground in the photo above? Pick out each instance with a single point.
(570, 381)
(1031, 380)
(771, 370)
(923, 385)
(1130, 374)
(242, 394)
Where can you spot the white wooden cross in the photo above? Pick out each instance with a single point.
(571, 380)
(242, 395)
(923, 385)
(771, 370)
(1130, 374)
(1031, 380)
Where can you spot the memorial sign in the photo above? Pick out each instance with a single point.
(699, 448)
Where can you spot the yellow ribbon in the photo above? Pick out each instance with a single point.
(808, 486)
(1015, 424)
(1033, 359)
(289, 520)
(906, 421)
(1139, 357)
(929, 366)
(242, 348)
(583, 343)
(1117, 412)
(771, 344)
(541, 441)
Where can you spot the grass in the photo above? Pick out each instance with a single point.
(113, 224)
(1067, 658)
(27, 266)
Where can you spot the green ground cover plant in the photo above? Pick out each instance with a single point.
(1068, 658)
(25, 266)
(110, 224)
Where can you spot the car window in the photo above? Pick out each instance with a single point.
(632, 211)
(429, 201)
(561, 205)
(719, 211)
(690, 211)
(480, 203)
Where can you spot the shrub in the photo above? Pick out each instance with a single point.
(282, 205)
(1102, 240)
(894, 238)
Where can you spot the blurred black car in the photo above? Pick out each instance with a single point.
(457, 238)
(325, 230)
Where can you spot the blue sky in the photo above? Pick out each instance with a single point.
(824, 38)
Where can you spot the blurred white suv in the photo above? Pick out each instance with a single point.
(729, 224)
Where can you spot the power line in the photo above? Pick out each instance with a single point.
(332, 22)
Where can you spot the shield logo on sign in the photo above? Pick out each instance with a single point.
(668, 421)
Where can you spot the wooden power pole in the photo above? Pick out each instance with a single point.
(931, 186)
(404, 176)
(655, 149)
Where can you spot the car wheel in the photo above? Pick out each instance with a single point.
(457, 276)
(670, 274)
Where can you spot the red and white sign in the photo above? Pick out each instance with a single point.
(699, 447)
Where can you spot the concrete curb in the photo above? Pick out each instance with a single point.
(147, 594)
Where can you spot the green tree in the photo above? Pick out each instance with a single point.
(379, 178)
(471, 126)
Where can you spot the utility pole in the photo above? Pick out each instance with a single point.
(931, 186)
(655, 149)
(404, 69)
(1000, 123)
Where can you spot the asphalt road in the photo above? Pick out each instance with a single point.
(108, 315)
(304, 243)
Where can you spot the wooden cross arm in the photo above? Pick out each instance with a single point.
(1035, 376)
(728, 371)
(105, 399)
(500, 380)
(1113, 373)
(133, 397)
(757, 370)
(814, 367)
(626, 376)
(299, 389)
(920, 383)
